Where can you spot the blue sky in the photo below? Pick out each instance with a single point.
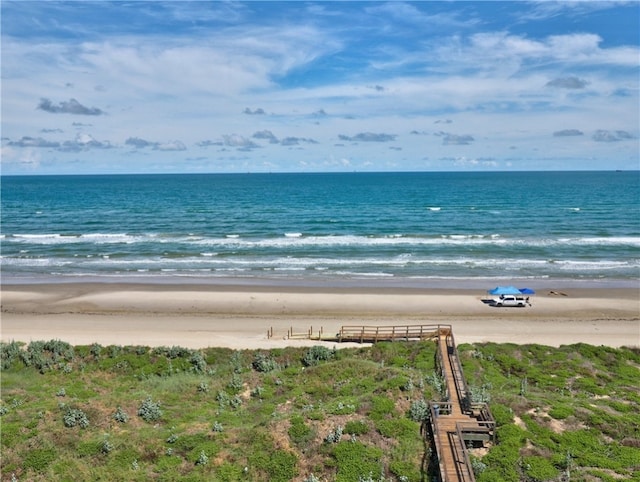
(151, 86)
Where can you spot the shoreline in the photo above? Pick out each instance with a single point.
(238, 316)
(386, 283)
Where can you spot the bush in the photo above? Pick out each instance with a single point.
(149, 410)
(381, 406)
(257, 392)
(172, 352)
(9, 353)
(560, 412)
(356, 461)
(316, 354)
(203, 459)
(264, 363)
(397, 427)
(198, 363)
(217, 427)
(299, 432)
(334, 436)
(356, 427)
(120, 416)
(106, 446)
(539, 469)
(419, 411)
(282, 466)
(235, 385)
(96, 349)
(75, 416)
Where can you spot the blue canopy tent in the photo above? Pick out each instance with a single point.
(505, 290)
(527, 291)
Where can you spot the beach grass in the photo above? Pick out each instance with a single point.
(309, 413)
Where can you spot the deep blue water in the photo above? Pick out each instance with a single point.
(385, 227)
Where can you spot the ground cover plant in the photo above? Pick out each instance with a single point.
(309, 414)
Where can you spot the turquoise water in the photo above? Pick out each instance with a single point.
(383, 228)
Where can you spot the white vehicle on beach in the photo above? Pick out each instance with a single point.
(510, 300)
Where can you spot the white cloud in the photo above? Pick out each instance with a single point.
(171, 146)
(376, 72)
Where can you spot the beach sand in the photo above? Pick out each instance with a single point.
(242, 317)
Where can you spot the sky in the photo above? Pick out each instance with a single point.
(92, 87)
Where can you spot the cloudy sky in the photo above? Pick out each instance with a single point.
(153, 86)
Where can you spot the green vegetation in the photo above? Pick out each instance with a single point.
(568, 413)
(169, 413)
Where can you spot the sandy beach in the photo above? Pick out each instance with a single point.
(243, 317)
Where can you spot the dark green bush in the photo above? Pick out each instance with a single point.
(300, 433)
(381, 406)
(560, 412)
(356, 427)
(539, 469)
(397, 427)
(356, 461)
(502, 414)
(282, 466)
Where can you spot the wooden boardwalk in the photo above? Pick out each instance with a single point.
(456, 421)
(373, 334)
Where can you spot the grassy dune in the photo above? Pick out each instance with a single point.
(309, 414)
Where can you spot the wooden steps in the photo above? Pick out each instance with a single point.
(456, 424)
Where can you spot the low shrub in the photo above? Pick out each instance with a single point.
(356, 461)
(282, 466)
(120, 415)
(300, 433)
(203, 458)
(149, 410)
(316, 354)
(264, 363)
(9, 353)
(334, 436)
(381, 406)
(560, 412)
(75, 417)
(356, 427)
(419, 411)
(539, 469)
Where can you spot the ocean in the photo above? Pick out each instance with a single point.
(351, 229)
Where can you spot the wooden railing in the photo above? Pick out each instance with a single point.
(463, 463)
(434, 413)
(451, 429)
(456, 368)
(373, 334)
